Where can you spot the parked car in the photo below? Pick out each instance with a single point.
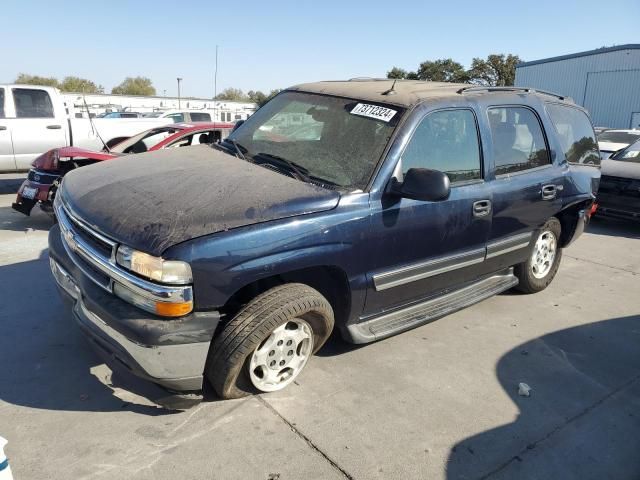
(121, 115)
(619, 194)
(47, 170)
(234, 264)
(179, 116)
(611, 141)
(35, 119)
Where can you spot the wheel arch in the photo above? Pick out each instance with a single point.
(573, 219)
(330, 280)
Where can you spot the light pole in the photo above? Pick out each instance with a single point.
(179, 80)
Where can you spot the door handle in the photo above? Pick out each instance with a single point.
(549, 192)
(2, 127)
(54, 127)
(481, 208)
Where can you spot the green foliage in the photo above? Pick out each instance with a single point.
(443, 70)
(77, 84)
(232, 95)
(254, 96)
(135, 86)
(495, 70)
(26, 79)
(397, 73)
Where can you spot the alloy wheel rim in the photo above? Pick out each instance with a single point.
(280, 358)
(544, 253)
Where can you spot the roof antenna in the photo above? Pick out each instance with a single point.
(391, 91)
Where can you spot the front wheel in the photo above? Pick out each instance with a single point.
(538, 271)
(268, 343)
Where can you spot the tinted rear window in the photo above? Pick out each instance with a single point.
(200, 117)
(575, 133)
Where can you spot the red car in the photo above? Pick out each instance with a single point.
(49, 168)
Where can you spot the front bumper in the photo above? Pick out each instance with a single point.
(23, 204)
(170, 353)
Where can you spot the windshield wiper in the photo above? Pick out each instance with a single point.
(298, 170)
(236, 150)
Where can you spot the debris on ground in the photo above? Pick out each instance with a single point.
(524, 390)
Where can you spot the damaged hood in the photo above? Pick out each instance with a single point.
(158, 199)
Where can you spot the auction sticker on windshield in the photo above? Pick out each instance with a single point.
(374, 111)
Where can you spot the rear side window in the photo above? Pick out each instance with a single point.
(176, 117)
(518, 142)
(32, 103)
(446, 141)
(1, 102)
(576, 134)
(200, 117)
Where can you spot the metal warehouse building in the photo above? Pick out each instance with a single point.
(605, 81)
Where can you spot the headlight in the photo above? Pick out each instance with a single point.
(154, 268)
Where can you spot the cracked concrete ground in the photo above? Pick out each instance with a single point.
(438, 402)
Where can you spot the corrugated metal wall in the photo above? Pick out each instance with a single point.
(607, 84)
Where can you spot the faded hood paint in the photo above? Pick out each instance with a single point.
(158, 199)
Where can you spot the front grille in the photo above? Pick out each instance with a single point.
(87, 248)
(95, 255)
(42, 177)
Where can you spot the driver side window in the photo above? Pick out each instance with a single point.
(446, 141)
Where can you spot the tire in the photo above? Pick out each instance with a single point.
(533, 276)
(240, 357)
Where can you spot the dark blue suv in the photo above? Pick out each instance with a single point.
(367, 206)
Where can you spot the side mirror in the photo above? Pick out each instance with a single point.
(238, 123)
(423, 184)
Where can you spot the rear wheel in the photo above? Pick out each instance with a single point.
(542, 265)
(265, 347)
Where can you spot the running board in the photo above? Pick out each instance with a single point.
(398, 321)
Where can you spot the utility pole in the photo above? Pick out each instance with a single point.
(179, 80)
(215, 89)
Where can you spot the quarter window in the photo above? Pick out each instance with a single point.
(200, 117)
(576, 134)
(518, 142)
(32, 103)
(446, 141)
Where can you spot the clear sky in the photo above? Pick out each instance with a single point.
(269, 44)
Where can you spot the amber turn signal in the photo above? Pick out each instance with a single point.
(173, 309)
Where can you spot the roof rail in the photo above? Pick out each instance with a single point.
(367, 79)
(479, 88)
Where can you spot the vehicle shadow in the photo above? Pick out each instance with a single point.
(581, 420)
(10, 183)
(45, 362)
(12, 220)
(614, 227)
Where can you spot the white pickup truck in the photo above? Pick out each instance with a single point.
(35, 119)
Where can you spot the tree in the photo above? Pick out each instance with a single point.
(77, 84)
(135, 86)
(36, 80)
(443, 70)
(232, 95)
(397, 73)
(257, 97)
(496, 70)
(272, 94)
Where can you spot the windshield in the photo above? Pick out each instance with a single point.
(618, 137)
(629, 154)
(333, 139)
(143, 141)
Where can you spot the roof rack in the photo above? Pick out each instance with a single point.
(480, 88)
